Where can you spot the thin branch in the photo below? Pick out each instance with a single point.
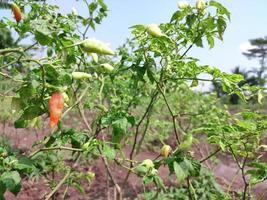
(144, 133)
(10, 77)
(209, 156)
(62, 180)
(54, 148)
(77, 101)
(137, 131)
(15, 50)
(188, 188)
(194, 78)
(244, 177)
(232, 181)
(58, 185)
(171, 112)
(118, 189)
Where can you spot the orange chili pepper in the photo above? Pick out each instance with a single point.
(16, 11)
(56, 106)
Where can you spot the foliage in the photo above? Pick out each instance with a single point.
(205, 188)
(250, 80)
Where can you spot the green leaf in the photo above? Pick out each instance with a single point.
(220, 8)
(21, 123)
(109, 152)
(32, 112)
(119, 129)
(11, 180)
(199, 42)
(221, 26)
(210, 40)
(179, 172)
(2, 190)
(177, 16)
(92, 7)
(25, 164)
(17, 104)
(159, 182)
(42, 38)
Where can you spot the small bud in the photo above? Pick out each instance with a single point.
(183, 4)
(200, 4)
(90, 175)
(165, 151)
(66, 97)
(107, 67)
(154, 30)
(148, 163)
(74, 11)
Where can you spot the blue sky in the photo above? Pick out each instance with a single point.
(248, 20)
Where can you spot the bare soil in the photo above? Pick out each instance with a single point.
(225, 170)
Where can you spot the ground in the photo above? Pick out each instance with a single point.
(23, 139)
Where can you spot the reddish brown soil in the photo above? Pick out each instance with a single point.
(100, 189)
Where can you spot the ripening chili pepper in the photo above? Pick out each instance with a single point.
(92, 45)
(106, 67)
(56, 106)
(81, 75)
(16, 11)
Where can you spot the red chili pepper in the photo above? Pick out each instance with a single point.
(56, 106)
(16, 11)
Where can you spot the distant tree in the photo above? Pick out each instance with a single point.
(259, 51)
(248, 79)
(6, 39)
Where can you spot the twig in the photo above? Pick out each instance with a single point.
(16, 50)
(171, 112)
(62, 180)
(188, 188)
(118, 189)
(144, 133)
(77, 101)
(10, 77)
(242, 168)
(209, 156)
(232, 181)
(54, 148)
(263, 194)
(137, 131)
(244, 177)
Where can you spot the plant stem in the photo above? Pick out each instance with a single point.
(118, 189)
(54, 148)
(209, 156)
(144, 133)
(63, 179)
(171, 112)
(149, 107)
(15, 50)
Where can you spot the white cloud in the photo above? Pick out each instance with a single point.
(244, 47)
